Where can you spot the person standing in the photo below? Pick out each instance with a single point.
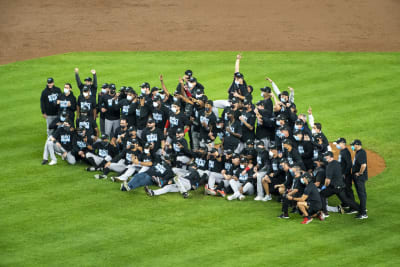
(334, 184)
(48, 103)
(360, 176)
(91, 84)
(345, 162)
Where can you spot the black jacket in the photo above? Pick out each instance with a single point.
(48, 100)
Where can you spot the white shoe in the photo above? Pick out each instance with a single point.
(267, 198)
(242, 197)
(52, 162)
(232, 197)
(258, 198)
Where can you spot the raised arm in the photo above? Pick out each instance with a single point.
(94, 78)
(291, 95)
(310, 117)
(237, 63)
(163, 85)
(78, 80)
(274, 86)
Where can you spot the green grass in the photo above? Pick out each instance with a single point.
(62, 216)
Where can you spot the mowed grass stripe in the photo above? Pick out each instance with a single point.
(51, 211)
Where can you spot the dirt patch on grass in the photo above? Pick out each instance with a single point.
(36, 28)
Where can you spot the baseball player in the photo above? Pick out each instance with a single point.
(91, 84)
(67, 102)
(182, 183)
(48, 103)
(59, 142)
(103, 152)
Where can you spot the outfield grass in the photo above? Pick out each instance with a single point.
(61, 215)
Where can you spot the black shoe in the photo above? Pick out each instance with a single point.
(44, 162)
(185, 195)
(361, 216)
(148, 191)
(351, 211)
(283, 216)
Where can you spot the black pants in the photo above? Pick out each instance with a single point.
(362, 193)
(348, 180)
(286, 203)
(339, 192)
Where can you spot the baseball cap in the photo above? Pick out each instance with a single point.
(189, 73)
(192, 80)
(260, 103)
(179, 130)
(285, 93)
(105, 85)
(228, 151)
(238, 75)
(112, 86)
(287, 141)
(234, 100)
(150, 120)
(340, 140)
(85, 88)
(356, 142)
(50, 80)
(88, 79)
(235, 155)
(328, 153)
(104, 137)
(154, 89)
(246, 102)
(266, 89)
(145, 85)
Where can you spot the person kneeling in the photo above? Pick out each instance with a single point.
(309, 203)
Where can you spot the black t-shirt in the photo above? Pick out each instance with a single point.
(88, 123)
(250, 118)
(81, 143)
(334, 173)
(128, 110)
(64, 137)
(345, 161)
(314, 198)
(319, 174)
(142, 115)
(160, 116)
(176, 121)
(89, 103)
(201, 161)
(214, 165)
(209, 120)
(153, 136)
(359, 159)
(63, 104)
(193, 176)
(231, 141)
(228, 166)
(161, 169)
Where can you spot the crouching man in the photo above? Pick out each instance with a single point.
(309, 203)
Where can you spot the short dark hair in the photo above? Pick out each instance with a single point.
(318, 125)
(70, 86)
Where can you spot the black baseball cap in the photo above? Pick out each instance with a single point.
(189, 73)
(284, 128)
(243, 160)
(88, 79)
(199, 91)
(228, 151)
(328, 153)
(179, 130)
(104, 137)
(235, 155)
(260, 103)
(154, 89)
(234, 100)
(145, 85)
(238, 75)
(105, 85)
(287, 141)
(340, 140)
(112, 86)
(281, 117)
(150, 120)
(122, 89)
(246, 102)
(193, 80)
(266, 89)
(50, 80)
(297, 132)
(259, 143)
(356, 142)
(132, 129)
(249, 142)
(213, 150)
(285, 93)
(85, 88)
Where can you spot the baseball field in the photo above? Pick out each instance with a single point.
(61, 215)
